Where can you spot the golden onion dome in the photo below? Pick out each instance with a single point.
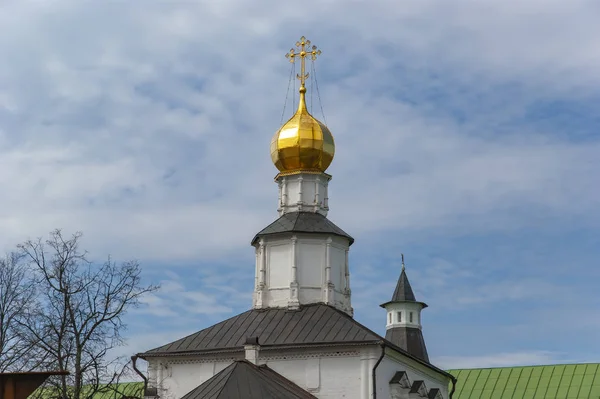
(303, 143)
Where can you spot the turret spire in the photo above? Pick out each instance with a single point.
(403, 291)
(403, 326)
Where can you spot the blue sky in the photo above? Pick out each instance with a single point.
(466, 138)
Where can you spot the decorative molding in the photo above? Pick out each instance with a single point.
(201, 360)
(279, 196)
(310, 355)
(316, 201)
(263, 357)
(300, 186)
(415, 367)
(294, 303)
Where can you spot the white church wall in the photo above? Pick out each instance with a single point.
(176, 377)
(338, 269)
(325, 376)
(393, 363)
(278, 297)
(328, 374)
(311, 257)
(310, 254)
(308, 190)
(303, 192)
(278, 255)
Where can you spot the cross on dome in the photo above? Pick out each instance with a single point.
(300, 52)
(303, 144)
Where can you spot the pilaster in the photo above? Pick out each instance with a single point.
(303, 192)
(299, 269)
(262, 263)
(294, 303)
(328, 285)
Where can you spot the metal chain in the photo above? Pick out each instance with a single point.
(287, 93)
(312, 84)
(318, 94)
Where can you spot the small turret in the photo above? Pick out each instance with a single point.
(403, 327)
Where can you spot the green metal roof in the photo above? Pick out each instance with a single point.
(113, 391)
(565, 381)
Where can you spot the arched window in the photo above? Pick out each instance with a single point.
(399, 315)
(390, 318)
(410, 317)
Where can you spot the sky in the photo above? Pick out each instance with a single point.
(467, 137)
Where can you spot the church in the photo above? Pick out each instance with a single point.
(300, 339)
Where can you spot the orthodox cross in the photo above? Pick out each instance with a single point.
(303, 50)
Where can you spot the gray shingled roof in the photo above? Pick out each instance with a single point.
(410, 339)
(244, 380)
(316, 324)
(403, 291)
(311, 324)
(302, 222)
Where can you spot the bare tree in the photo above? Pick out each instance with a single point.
(17, 294)
(78, 318)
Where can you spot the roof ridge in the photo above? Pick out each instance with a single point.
(297, 217)
(232, 366)
(524, 366)
(352, 318)
(282, 381)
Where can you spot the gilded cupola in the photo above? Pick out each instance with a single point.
(302, 144)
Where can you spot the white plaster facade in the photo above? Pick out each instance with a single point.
(299, 269)
(306, 192)
(332, 373)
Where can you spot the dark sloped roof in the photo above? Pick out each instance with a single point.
(403, 291)
(244, 380)
(416, 386)
(311, 324)
(315, 324)
(302, 222)
(410, 339)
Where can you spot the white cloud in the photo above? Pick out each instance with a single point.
(148, 128)
(107, 131)
(175, 299)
